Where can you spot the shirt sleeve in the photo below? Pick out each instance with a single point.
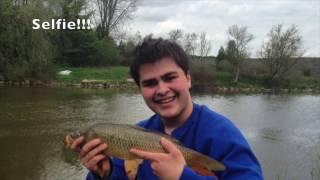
(240, 162)
(237, 156)
(220, 139)
(189, 174)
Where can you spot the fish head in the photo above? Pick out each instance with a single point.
(75, 135)
(71, 137)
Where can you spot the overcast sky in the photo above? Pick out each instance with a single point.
(215, 16)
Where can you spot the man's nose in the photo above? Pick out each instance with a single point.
(162, 88)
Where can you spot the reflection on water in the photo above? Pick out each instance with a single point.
(283, 130)
(272, 134)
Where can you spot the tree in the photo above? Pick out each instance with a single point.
(175, 35)
(240, 38)
(112, 13)
(72, 44)
(136, 38)
(190, 43)
(221, 56)
(232, 52)
(24, 53)
(104, 53)
(205, 45)
(281, 51)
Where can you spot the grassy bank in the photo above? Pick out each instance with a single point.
(202, 76)
(204, 79)
(115, 73)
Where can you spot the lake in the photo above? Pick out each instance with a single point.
(283, 130)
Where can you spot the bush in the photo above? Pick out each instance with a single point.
(104, 53)
(226, 66)
(203, 74)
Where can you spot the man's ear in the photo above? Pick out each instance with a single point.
(189, 79)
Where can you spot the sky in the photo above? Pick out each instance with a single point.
(215, 16)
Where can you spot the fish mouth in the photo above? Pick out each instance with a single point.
(165, 100)
(71, 137)
(68, 140)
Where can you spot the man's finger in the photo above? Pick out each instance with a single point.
(95, 151)
(93, 162)
(89, 146)
(151, 156)
(76, 144)
(169, 146)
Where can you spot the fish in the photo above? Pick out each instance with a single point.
(122, 137)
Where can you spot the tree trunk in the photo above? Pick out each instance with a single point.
(237, 74)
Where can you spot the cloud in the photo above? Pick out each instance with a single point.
(166, 26)
(215, 16)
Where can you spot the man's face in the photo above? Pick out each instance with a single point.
(165, 89)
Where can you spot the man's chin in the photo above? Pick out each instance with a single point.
(168, 116)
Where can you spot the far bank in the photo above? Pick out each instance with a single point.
(204, 78)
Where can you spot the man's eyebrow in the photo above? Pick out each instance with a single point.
(169, 74)
(147, 80)
(164, 75)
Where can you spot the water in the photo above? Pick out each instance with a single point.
(283, 130)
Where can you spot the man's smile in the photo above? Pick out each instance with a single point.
(164, 100)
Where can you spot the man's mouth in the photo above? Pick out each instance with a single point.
(165, 100)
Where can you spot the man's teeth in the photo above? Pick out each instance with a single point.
(166, 100)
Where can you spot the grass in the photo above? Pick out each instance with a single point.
(226, 79)
(115, 73)
(201, 74)
(308, 82)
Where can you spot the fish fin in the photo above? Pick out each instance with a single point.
(170, 138)
(202, 171)
(131, 168)
(215, 165)
(137, 127)
(206, 162)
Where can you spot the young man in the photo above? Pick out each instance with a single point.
(161, 71)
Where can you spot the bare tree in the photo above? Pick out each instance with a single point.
(240, 37)
(136, 38)
(190, 43)
(282, 50)
(112, 13)
(205, 45)
(176, 35)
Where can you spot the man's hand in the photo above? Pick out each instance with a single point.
(91, 154)
(168, 166)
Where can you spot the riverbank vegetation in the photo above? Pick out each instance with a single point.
(113, 73)
(104, 52)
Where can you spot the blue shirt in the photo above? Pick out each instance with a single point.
(208, 133)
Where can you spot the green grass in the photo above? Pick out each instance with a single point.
(308, 82)
(201, 75)
(115, 73)
(226, 79)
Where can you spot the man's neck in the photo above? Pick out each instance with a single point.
(171, 124)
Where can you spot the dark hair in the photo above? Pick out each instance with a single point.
(152, 50)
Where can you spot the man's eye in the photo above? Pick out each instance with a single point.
(149, 83)
(170, 78)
